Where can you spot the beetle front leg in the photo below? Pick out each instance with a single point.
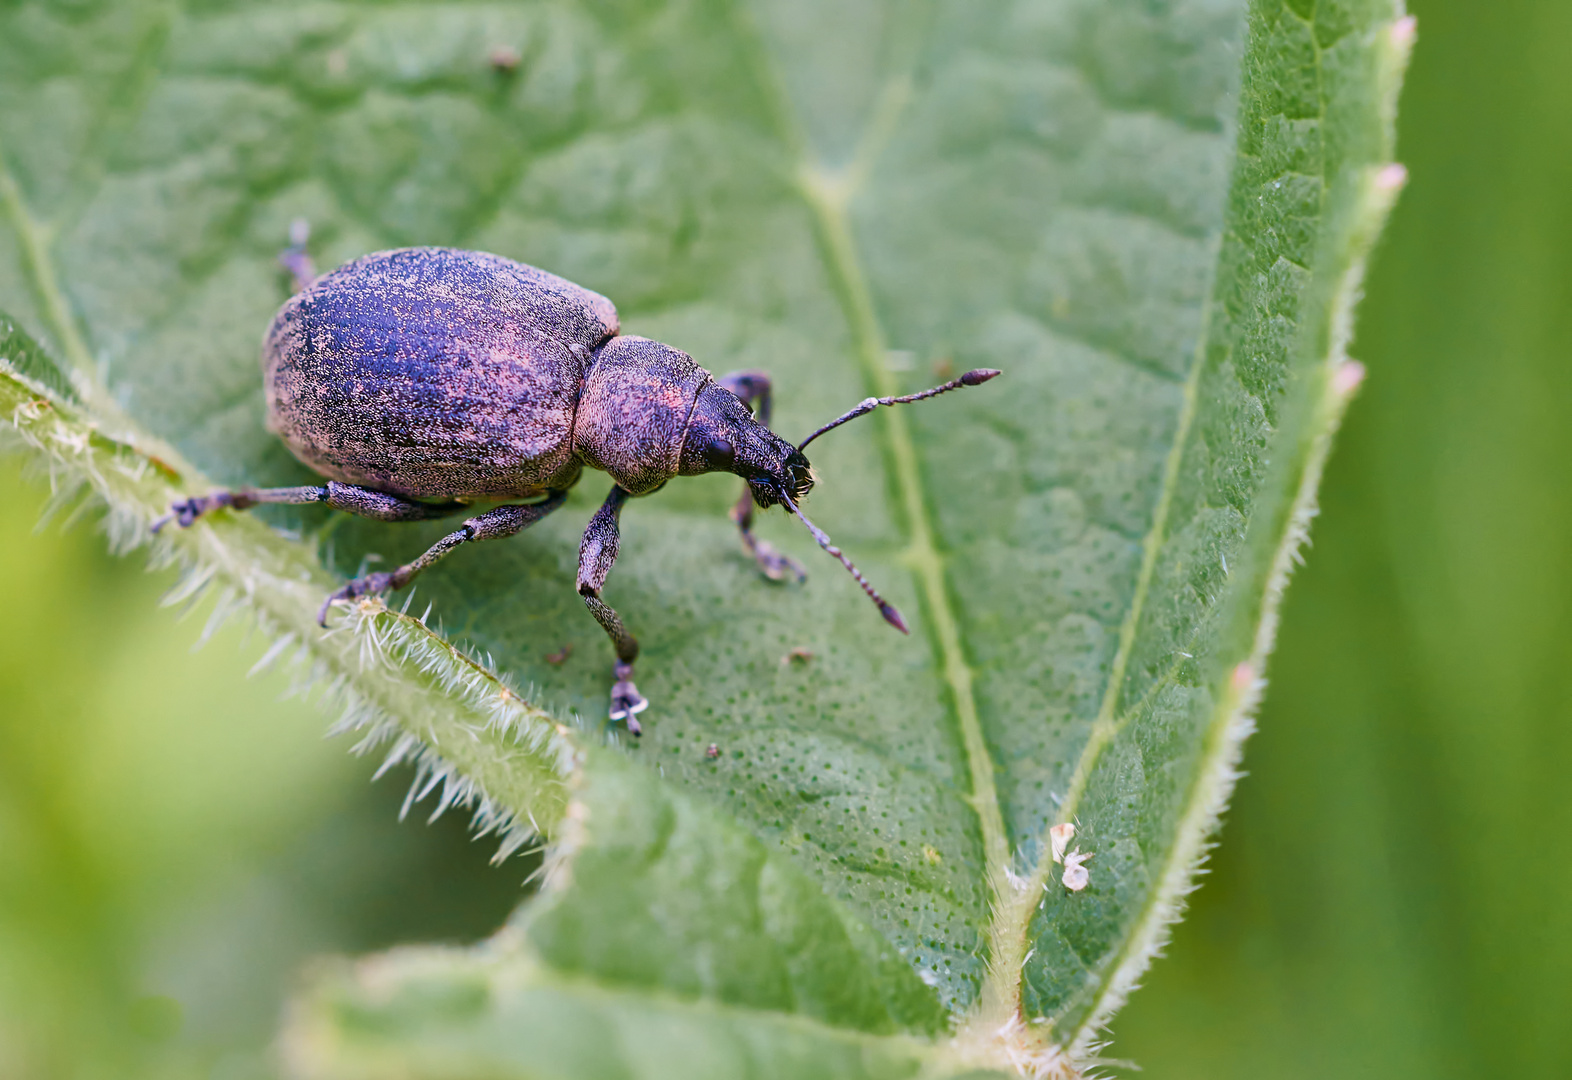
(492, 525)
(752, 388)
(597, 554)
(775, 565)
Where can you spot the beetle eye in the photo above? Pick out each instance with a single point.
(720, 453)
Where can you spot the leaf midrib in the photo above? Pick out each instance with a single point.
(827, 193)
(920, 553)
(1017, 914)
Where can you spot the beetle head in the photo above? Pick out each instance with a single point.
(723, 436)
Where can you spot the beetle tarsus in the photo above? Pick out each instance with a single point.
(597, 555)
(186, 511)
(773, 564)
(369, 585)
(626, 701)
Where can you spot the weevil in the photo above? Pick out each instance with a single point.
(422, 380)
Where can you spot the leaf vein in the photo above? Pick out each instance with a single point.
(827, 195)
(1013, 916)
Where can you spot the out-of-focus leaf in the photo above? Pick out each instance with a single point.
(499, 1013)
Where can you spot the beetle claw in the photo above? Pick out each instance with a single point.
(369, 585)
(777, 566)
(186, 511)
(626, 703)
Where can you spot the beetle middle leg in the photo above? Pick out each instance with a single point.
(753, 390)
(295, 258)
(492, 525)
(597, 553)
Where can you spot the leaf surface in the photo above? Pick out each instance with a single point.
(1152, 217)
(665, 894)
(499, 1012)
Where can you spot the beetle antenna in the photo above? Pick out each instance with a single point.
(887, 609)
(976, 377)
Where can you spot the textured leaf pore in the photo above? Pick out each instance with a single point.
(1159, 246)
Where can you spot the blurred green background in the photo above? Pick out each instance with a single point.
(1393, 894)
(175, 840)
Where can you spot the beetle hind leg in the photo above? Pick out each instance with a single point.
(752, 388)
(775, 565)
(492, 525)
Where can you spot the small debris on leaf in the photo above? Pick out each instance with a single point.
(1243, 678)
(560, 657)
(504, 58)
(1076, 877)
(712, 751)
(799, 655)
(1060, 836)
(1348, 376)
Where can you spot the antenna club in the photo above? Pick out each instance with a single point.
(893, 616)
(978, 376)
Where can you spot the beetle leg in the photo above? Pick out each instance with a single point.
(597, 553)
(295, 258)
(492, 525)
(752, 388)
(377, 505)
(775, 565)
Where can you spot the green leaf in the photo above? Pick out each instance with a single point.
(752, 930)
(1152, 217)
(498, 1012)
(23, 357)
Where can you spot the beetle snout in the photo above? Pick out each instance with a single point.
(792, 479)
(799, 476)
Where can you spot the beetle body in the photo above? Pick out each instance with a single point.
(423, 379)
(440, 374)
